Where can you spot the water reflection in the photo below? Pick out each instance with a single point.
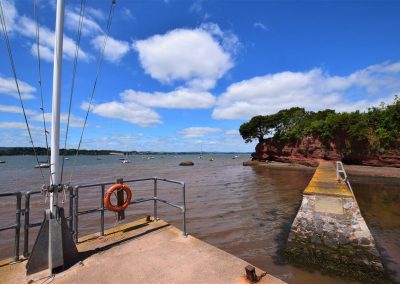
(379, 200)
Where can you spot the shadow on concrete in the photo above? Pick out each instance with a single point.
(86, 254)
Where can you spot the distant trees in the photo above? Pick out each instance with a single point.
(378, 129)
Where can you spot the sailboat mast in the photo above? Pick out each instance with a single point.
(55, 119)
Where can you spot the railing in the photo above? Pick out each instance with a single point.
(101, 209)
(74, 213)
(341, 173)
(17, 225)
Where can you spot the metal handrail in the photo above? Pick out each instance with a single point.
(101, 209)
(340, 171)
(74, 213)
(17, 225)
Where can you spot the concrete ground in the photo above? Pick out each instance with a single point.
(144, 252)
(324, 182)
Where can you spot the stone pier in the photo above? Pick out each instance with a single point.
(329, 232)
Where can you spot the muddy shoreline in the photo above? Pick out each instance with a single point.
(352, 170)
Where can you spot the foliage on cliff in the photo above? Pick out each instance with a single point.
(377, 129)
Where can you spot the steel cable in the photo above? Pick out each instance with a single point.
(77, 44)
(99, 64)
(35, 4)
(8, 46)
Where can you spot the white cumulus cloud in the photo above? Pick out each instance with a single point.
(89, 25)
(194, 56)
(115, 49)
(8, 87)
(178, 99)
(130, 112)
(313, 89)
(198, 132)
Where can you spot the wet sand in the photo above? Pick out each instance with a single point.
(354, 170)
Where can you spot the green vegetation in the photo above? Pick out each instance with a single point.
(376, 130)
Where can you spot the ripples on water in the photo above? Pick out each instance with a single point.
(243, 210)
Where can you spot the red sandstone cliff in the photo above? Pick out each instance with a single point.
(309, 150)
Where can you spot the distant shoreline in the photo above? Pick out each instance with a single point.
(17, 151)
(354, 170)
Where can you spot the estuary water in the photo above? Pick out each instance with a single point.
(245, 211)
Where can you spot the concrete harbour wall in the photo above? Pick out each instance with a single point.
(330, 233)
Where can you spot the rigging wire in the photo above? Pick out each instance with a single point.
(36, 12)
(7, 41)
(77, 44)
(99, 64)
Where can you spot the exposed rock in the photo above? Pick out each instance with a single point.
(186, 163)
(309, 150)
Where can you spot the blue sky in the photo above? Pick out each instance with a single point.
(183, 75)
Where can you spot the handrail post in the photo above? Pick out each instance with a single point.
(184, 209)
(18, 224)
(155, 200)
(337, 170)
(71, 208)
(120, 200)
(102, 210)
(26, 224)
(76, 198)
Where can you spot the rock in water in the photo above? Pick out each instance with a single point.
(186, 163)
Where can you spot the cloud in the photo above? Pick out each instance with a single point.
(16, 125)
(197, 6)
(27, 28)
(8, 87)
(130, 112)
(313, 89)
(260, 26)
(89, 26)
(197, 132)
(115, 49)
(135, 106)
(127, 14)
(75, 121)
(178, 99)
(194, 56)
(10, 14)
(16, 109)
(95, 13)
(232, 132)
(228, 40)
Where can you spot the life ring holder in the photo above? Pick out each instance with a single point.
(110, 191)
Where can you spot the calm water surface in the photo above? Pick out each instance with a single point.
(243, 210)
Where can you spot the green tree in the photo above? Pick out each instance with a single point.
(257, 128)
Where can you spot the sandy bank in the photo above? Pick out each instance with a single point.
(352, 170)
(279, 165)
(356, 170)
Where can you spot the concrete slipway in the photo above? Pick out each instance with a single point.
(143, 252)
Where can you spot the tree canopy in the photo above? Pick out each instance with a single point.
(377, 129)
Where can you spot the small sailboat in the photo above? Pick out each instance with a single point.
(211, 159)
(42, 165)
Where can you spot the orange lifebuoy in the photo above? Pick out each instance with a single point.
(107, 197)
